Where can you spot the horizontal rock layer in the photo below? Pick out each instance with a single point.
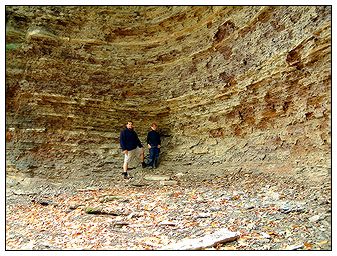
(245, 87)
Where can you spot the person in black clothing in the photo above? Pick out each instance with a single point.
(154, 144)
(131, 147)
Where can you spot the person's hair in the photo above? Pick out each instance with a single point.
(129, 122)
(154, 124)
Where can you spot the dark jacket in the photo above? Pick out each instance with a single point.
(153, 138)
(129, 140)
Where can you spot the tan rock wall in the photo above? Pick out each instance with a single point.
(247, 87)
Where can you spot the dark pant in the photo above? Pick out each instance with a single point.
(154, 156)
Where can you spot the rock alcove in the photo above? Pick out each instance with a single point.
(236, 87)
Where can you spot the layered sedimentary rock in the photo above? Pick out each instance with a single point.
(244, 87)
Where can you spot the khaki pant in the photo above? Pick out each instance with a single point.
(133, 155)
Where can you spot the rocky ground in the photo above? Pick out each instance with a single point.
(158, 208)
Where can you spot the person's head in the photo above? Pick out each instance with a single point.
(129, 125)
(154, 126)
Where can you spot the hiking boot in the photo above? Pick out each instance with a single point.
(125, 175)
(144, 164)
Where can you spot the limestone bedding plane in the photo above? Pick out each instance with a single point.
(245, 86)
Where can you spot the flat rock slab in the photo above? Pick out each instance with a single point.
(168, 223)
(220, 236)
(157, 177)
(168, 182)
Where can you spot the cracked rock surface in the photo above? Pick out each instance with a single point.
(246, 86)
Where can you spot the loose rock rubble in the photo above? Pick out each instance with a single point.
(268, 212)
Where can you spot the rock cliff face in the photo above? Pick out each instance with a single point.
(241, 87)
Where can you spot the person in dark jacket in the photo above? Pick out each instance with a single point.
(154, 144)
(131, 147)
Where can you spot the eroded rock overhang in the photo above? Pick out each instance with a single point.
(245, 87)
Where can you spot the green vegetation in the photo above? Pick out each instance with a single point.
(12, 46)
